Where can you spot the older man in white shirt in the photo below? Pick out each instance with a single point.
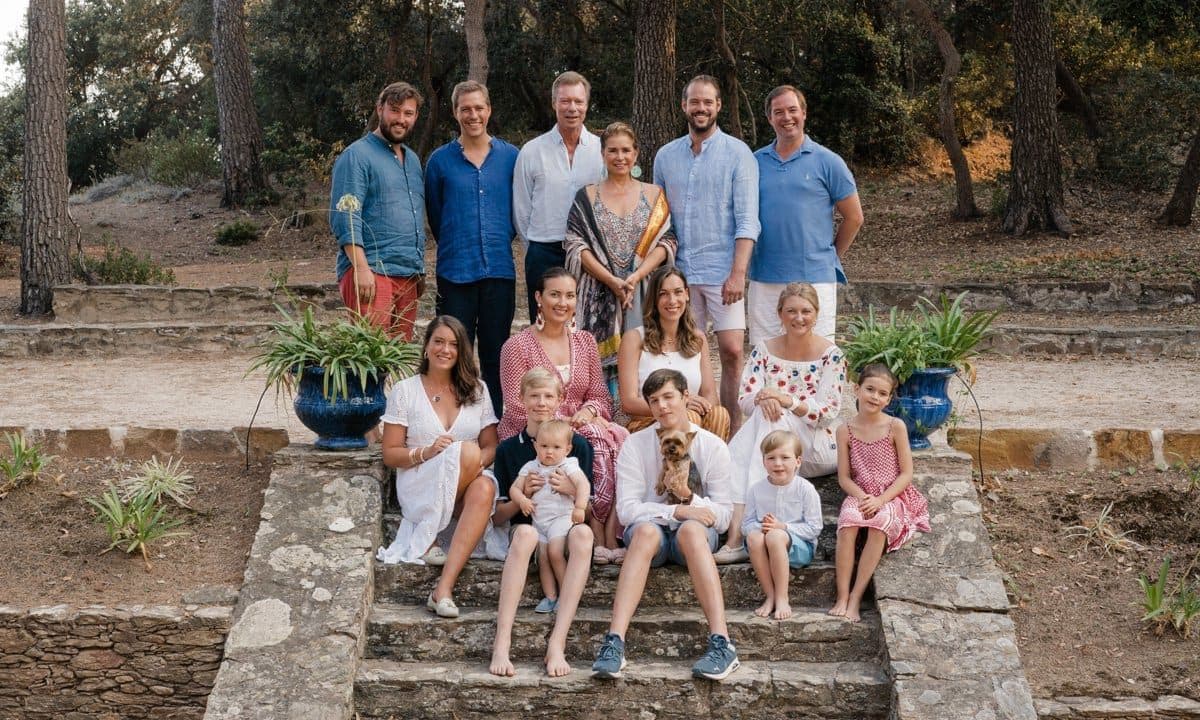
(657, 530)
(550, 169)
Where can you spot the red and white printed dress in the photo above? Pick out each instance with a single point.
(874, 466)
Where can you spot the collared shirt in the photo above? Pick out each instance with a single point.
(796, 505)
(517, 450)
(470, 211)
(714, 200)
(796, 199)
(545, 183)
(391, 224)
(640, 462)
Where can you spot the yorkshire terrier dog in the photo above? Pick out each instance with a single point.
(677, 469)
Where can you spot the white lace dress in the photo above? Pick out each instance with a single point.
(426, 492)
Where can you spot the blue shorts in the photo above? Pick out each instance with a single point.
(800, 551)
(668, 544)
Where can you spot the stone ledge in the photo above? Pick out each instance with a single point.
(130, 339)
(141, 443)
(1121, 708)
(1054, 449)
(140, 303)
(1156, 341)
(1040, 296)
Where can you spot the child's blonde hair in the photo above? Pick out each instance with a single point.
(555, 428)
(540, 377)
(778, 438)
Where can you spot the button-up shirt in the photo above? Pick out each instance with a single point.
(390, 226)
(545, 183)
(795, 200)
(470, 211)
(714, 201)
(796, 505)
(640, 462)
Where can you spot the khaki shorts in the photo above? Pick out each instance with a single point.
(706, 305)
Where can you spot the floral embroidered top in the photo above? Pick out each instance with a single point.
(817, 382)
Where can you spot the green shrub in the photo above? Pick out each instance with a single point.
(23, 465)
(132, 524)
(237, 233)
(122, 266)
(185, 160)
(158, 480)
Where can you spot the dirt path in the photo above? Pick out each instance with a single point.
(211, 392)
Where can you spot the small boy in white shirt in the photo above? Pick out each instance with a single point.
(782, 522)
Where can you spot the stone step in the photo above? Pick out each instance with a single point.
(658, 690)
(1039, 296)
(409, 633)
(129, 339)
(151, 303)
(668, 586)
(1175, 341)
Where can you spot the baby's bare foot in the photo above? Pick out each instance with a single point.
(783, 611)
(556, 664)
(501, 665)
(764, 610)
(839, 609)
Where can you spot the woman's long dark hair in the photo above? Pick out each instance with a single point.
(688, 339)
(464, 376)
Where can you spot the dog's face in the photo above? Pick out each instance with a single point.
(675, 443)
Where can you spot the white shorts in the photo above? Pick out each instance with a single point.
(706, 305)
(555, 527)
(764, 318)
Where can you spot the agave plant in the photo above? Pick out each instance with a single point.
(158, 480)
(132, 524)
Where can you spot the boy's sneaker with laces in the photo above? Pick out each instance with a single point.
(610, 660)
(720, 660)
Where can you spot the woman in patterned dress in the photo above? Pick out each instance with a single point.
(875, 470)
(791, 382)
(552, 343)
(618, 231)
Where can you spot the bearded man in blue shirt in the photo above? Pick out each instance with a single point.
(468, 198)
(800, 185)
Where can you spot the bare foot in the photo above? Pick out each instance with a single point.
(783, 611)
(616, 555)
(852, 612)
(839, 609)
(764, 610)
(501, 665)
(556, 664)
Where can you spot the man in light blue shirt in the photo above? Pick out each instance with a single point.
(801, 183)
(711, 181)
(551, 168)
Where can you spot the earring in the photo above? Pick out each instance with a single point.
(572, 326)
(539, 322)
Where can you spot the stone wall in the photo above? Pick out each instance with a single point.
(142, 443)
(94, 663)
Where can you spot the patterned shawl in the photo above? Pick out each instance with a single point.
(598, 311)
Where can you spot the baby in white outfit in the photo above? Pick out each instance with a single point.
(553, 513)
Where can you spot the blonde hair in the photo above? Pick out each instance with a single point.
(540, 377)
(778, 438)
(570, 77)
(556, 428)
(801, 290)
(618, 128)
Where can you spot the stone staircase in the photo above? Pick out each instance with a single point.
(810, 666)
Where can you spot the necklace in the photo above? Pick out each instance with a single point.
(437, 396)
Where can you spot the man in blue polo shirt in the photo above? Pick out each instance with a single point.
(468, 197)
(800, 184)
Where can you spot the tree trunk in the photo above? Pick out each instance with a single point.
(1179, 209)
(391, 58)
(964, 190)
(728, 72)
(432, 99)
(45, 246)
(477, 42)
(1076, 101)
(242, 170)
(655, 101)
(1035, 196)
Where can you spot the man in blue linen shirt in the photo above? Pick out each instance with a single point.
(468, 196)
(377, 212)
(711, 181)
(550, 170)
(800, 185)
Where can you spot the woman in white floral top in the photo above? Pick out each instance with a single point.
(791, 382)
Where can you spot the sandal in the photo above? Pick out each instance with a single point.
(617, 555)
(434, 556)
(444, 608)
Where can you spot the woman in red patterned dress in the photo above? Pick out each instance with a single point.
(553, 343)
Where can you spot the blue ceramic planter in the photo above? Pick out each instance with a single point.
(923, 404)
(340, 423)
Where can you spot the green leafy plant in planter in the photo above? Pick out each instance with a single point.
(337, 370)
(924, 349)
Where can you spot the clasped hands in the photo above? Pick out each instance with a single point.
(870, 505)
(623, 289)
(774, 402)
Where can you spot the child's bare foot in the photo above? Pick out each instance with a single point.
(852, 612)
(839, 609)
(764, 610)
(616, 555)
(783, 611)
(501, 665)
(556, 664)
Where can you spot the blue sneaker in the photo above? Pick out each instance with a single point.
(546, 606)
(610, 660)
(720, 660)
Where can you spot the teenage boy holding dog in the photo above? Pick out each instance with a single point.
(657, 532)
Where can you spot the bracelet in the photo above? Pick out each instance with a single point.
(421, 454)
